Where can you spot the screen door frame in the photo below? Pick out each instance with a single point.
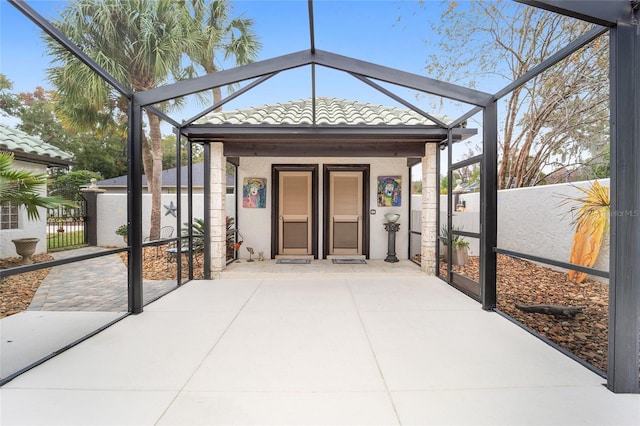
(276, 170)
(327, 170)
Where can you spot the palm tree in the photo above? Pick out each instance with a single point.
(213, 32)
(23, 188)
(140, 43)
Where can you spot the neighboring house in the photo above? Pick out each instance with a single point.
(30, 153)
(317, 176)
(119, 184)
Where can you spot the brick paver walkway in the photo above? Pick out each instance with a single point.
(91, 285)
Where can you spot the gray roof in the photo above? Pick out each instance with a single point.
(329, 111)
(168, 178)
(30, 148)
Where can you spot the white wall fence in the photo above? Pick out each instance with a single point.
(112, 212)
(530, 220)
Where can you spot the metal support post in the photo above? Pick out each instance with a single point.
(489, 206)
(134, 208)
(624, 284)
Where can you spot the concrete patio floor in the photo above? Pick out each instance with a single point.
(314, 348)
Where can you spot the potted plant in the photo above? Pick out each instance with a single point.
(22, 188)
(459, 251)
(459, 246)
(123, 231)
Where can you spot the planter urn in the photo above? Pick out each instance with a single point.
(460, 256)
(25, 247)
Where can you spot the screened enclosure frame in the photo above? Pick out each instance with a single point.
(618, 17)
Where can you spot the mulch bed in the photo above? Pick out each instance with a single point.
(17, 291)
(527, 283)
(519, 281)
(156, 265)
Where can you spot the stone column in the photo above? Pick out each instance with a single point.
(217, 212)
(430, 192)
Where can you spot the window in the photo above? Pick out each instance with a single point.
(8, 216)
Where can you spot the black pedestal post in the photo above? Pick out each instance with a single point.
(391, 228)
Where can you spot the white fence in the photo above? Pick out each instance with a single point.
(112, 212)
(530, 220)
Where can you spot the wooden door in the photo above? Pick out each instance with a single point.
(295, 209)
(345, 211)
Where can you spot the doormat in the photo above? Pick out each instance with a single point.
(348, 261)
(293, 261)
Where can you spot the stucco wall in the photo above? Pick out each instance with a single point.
(255, 224)
(26, 228)
(531, 220)
(112, 212)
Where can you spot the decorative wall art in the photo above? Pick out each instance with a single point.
(254, 193)
(389, 188)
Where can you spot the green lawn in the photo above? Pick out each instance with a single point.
(65, 240)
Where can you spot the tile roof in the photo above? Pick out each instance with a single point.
(18, 142)
(329, 111)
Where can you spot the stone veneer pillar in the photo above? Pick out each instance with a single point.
(217, 212)
(430, 193)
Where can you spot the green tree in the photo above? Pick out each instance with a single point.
(169, 150)
(557, 119)
(140, 43)
(8, 101)
(68, 185)
(101, 151)
(215, 33)
(24, 188)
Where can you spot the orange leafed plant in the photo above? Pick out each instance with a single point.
(592, 220)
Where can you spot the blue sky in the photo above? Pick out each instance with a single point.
(389, 33)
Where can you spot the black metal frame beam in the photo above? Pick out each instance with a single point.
(312, 35)
(624, 285)
(228, 98)
(54, 33)
(207, 212)
(559, 264)
(572, 47)
(606, 13)
(400, 100)
(224, 77)
(402, 78)
(319, 57)
(178, 189)
(134, 207)
(458, 121)
(489, 206)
